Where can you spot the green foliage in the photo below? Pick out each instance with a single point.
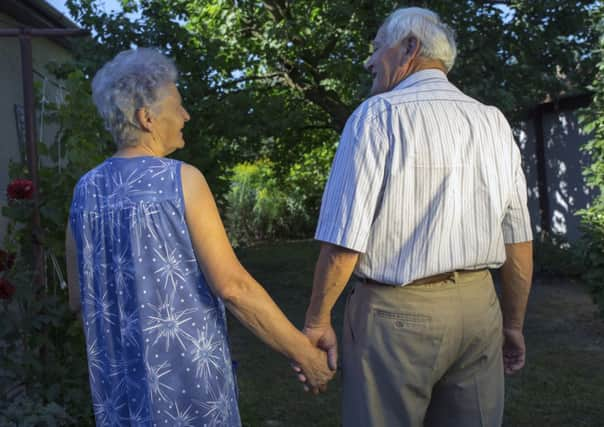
(554, 256)
(304, 183)
(255, 205)
(593, 216)
(276, 79)
(269, 86)
(259, 206)
(43, 374)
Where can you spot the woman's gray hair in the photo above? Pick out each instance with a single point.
(437, 39)
(130, 81)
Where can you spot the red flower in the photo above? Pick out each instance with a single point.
(6, 289)
(20, 189)
(7, 260)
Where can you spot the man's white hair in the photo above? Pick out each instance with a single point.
(130, 81)
(437, 39)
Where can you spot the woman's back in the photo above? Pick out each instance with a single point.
(155, 333)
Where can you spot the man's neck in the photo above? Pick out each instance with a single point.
(420, 63)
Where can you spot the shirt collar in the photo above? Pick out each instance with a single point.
(421, 76)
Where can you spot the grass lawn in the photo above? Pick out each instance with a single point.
(562, 384)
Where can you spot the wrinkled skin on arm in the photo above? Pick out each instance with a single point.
(245, 298)
(333, 270)
(516, 275)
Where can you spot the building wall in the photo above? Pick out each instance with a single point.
(44, 52)
(566, 189)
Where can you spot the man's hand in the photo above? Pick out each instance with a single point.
(314, 371)
(334, 267)
(514, 350)
(324, 337)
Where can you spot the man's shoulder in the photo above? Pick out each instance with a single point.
(372, 107)
(377, 107)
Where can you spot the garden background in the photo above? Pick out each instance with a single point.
(269, 85)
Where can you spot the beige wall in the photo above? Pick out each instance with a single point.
(11, 94)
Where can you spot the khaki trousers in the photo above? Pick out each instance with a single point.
(423, 354)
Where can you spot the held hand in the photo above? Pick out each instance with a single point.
(324, 337)
(514, 350)
(313, 371)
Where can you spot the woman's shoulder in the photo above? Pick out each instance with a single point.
(194, 184)
(190, 172)
(192, 177)
(92, 175)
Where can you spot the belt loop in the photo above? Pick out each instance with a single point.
(456, 276)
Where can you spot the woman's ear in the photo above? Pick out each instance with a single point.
(144, 119)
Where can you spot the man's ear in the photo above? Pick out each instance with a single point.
(144, 119)
(410, 46)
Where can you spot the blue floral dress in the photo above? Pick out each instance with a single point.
(156, 336)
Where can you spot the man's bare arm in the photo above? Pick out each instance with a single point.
(516, 275)
(334, 267)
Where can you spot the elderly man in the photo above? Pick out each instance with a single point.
(426, 193)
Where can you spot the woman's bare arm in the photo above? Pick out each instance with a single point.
(243, 296)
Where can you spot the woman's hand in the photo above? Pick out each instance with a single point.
(313, 370)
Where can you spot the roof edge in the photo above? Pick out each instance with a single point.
(36, 14)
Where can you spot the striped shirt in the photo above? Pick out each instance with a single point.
(426, 180)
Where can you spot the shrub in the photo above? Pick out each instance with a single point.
(553, 255)
(44, 377)
(262, 206)
(43, 369)
(593, 216)
(255, 206)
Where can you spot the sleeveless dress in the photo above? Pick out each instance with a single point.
(156, 335)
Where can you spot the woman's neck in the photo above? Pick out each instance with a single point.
(137, 151)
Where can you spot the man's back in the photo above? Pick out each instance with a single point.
(426, 190)
(455, 159)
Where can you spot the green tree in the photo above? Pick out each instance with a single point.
(593, 216)
(275, 79)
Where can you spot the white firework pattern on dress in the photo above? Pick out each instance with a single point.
(122, 380)
(95, 363)
(218, 407)
(142, 224)
(162, 167)
(206, 355)
(100, 307)
(93, 259)
(122, 271)
(154, 378)
(173, 266)
(107, 408)
(181, 418)
(129, 326)
(141, 415)
(155, 333)
(125, 190)
(167, 322)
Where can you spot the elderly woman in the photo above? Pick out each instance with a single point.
(152, 269)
